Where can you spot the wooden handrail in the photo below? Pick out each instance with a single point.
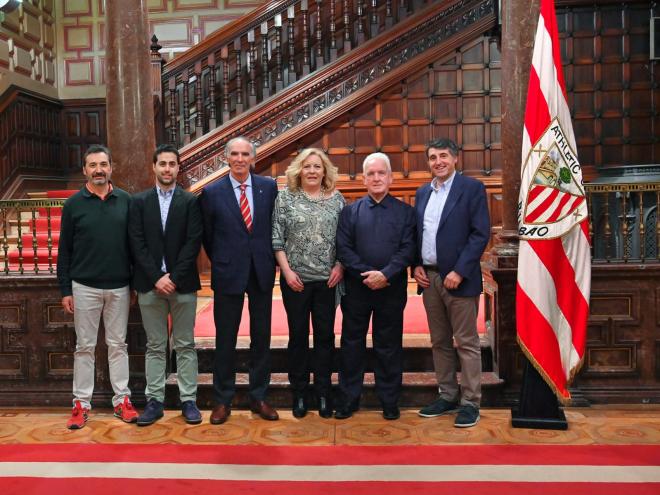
(246, 62)
(226, 34)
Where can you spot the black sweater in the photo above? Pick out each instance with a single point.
(93, 248)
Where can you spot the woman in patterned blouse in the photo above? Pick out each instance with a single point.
(304, 230)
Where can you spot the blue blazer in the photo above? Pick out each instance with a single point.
(227, 242)
(463, 232)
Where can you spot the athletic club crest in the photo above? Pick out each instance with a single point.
(552, 198)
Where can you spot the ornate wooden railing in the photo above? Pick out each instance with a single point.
(30, 234)
(249, 60)
(338, 86)
(624, 223)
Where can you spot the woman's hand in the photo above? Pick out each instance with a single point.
(336, 275)
(293, 281)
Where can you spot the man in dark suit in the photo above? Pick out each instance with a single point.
(453, 229)
(165, 232)
(237, 213)
(376, 245)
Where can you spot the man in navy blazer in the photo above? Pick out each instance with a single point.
(237, 214)
(453, 228)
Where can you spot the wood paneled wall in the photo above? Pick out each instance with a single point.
(42, 140)
(83, 124)
(456, 97)
(613, 88)
(29, 136)
(37, 342)
(622, 357)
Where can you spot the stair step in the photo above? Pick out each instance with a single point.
(28, 255)
(54, 194)
(54, 212)
(417, 356)
(41, 224)
(419, 389)
(42, 239)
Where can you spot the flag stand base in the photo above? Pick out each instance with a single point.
(538, 406)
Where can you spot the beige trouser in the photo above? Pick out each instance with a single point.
(89, 304)
(454, 317)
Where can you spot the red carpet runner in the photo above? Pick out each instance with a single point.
(414, 319)
(482, 469)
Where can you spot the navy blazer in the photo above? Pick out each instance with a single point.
(463, 232)
(227, 242)
(179, 243)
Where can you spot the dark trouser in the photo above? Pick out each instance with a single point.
(318, 300)
(357, 307)
(227, 312)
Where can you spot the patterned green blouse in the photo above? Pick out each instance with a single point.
(306, 228)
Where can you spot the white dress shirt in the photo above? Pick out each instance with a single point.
(164, 200)
(432, 216)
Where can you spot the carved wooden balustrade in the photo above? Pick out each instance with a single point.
(246, 62)
(30, 234)
(410, 45)
(624, 223)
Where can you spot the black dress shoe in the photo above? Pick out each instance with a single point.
(391, 412)
(299, 408)
(325, 407)
(346, 410)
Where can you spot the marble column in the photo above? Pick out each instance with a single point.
(129, 100)
(519, 19)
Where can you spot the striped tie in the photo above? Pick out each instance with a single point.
(245, 208)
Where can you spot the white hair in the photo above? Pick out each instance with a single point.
(376, 156)
(231, 142)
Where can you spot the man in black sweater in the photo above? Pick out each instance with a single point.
(165, 232)
(93, 271)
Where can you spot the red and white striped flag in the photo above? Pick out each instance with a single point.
(554, 263)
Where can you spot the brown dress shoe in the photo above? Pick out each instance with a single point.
(220, 414)
(264, 410)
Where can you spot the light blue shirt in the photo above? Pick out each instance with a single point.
(432, 216)
(248, 192)
(164, 200)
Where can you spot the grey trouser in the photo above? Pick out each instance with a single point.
(155, 309)
(88, 306)
(454, 317)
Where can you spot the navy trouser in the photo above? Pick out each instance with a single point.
(386, 306)
(227, 312)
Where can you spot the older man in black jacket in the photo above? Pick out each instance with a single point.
(165, 231)
(376, 245)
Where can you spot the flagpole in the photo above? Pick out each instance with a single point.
(538, 407)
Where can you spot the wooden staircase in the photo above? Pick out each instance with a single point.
(280, 74)
(419, 383)
(265, 77)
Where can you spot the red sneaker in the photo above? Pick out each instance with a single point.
(125, 411)
(78, 417)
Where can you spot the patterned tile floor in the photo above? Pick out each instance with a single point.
(610, 425)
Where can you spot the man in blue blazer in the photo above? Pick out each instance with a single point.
(453, 228)
(237, 214)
